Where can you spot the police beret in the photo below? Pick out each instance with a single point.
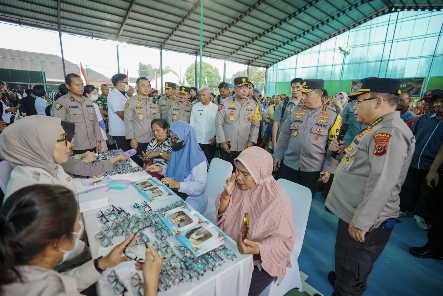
(240, 81)
(379, 85)
(170, 85)
(311, 84)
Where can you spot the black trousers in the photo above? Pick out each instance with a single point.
(308, 179)
(435, 234)
(354, 260)
(259, 281)
(122, 143)
(85, 150)
(229, 156)
(209, 151)
(416, 192)
(140, 147)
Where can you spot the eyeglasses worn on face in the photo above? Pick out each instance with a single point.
(358, 102)
(65, 139)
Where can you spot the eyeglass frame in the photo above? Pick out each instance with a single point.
(116, 281)
(136, 259)
(358, 102)
(64, 140)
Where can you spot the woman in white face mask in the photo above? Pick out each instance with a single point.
(91, 93)
(39, 226)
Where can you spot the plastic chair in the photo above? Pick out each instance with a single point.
(5, 172)
(301, 198)
(219, 171)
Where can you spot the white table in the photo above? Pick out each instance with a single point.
(232, 278)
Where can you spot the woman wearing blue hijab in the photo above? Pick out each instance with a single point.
(187, 167)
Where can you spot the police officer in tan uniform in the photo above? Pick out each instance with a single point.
(364, 193)
(180, 109)
(164, 100)
(305, 136)
(237, 122)
(139, 112)
(76, 108)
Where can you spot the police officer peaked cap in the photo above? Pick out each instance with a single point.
(170, 85)
(240, 81)
(311, 84)
(379, 85)
(185, 90)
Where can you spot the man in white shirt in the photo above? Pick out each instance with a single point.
(203, 116)
(116, 110)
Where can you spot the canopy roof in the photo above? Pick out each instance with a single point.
(258, 33)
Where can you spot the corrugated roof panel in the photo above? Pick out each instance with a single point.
(94, 6)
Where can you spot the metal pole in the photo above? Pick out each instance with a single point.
(342, 70)
(392, 45)
(118, 61)
(195, 72)
(161, 69)
(60, 37)
(247, 71)
(201, 44)
(425, 83)
(265, 86)
(43, 75)
(224, 71)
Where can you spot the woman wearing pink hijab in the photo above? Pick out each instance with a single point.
(253, 190)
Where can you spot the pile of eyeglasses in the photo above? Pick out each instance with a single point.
(117, 285)
(178, 266)
(120, 167)
(108, 154)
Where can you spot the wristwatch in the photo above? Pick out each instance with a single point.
(96, 264)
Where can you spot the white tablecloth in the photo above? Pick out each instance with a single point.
(232, 278)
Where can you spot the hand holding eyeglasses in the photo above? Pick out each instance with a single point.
(115, 256)
(151, 269)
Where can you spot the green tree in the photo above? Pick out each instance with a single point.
(145, 70)
(256, 76)
(210, 72)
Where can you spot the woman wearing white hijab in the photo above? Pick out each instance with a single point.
(37, 145)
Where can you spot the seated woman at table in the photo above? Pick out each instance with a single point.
(37, 145)
(31, 246)
(159, 148)
(271, 237)
(186, 171)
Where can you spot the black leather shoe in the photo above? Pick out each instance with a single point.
(424, 252)
(331, 278)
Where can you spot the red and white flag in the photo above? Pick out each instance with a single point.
(82, 71)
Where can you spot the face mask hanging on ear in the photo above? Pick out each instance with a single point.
(94, 97)
(67, 253)
(126, 87)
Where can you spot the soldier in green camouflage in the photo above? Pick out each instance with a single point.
(102, 101)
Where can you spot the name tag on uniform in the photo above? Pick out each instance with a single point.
(231, 118)
(73, 106)
(90, 106)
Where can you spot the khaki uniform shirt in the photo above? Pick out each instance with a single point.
(179, 111)
(82, 113)
(138, 116)
(370, 175)
(305, 138)
(163, 105)
(237, 123)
